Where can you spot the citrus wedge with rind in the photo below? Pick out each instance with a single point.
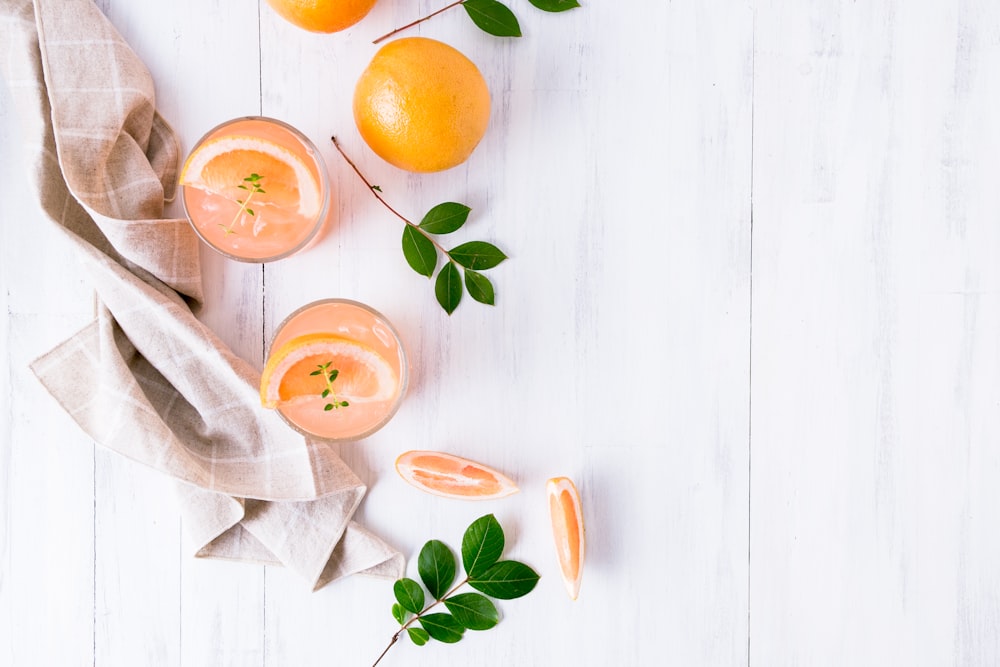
(222, 165)
(451, 476)
(567, 529)
(363, 374)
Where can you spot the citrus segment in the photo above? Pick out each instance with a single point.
(421, 105)
(452, 476)
(322, 15)
(290, 374)
(567, 529)
(221, 166)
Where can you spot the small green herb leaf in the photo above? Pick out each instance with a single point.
(398, 613)
(326, 392)
(328, 407)
(420, 253)
(493, 17)
(448, 287)
(409, 594)
(316, 373)
(506, 580)
(555, 5)
(482, 545)
(445, 218)
(477, 255)
(473, 611)
(442, 627)
(418, 636)
(479, 287)
(436, 566)
(333, 374)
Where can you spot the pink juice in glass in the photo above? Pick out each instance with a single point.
(256, 190)
(353, 344)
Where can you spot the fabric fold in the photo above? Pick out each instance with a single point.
(146, 379)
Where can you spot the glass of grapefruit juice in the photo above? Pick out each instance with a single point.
(255, 189)
(336, 370)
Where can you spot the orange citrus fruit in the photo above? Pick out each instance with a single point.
(567, 528)
(452, 476)
(290, 373)
(322, 15)
(222, 165)
(421, 105)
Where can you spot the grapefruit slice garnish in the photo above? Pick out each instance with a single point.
(568, 531)
(222, 165)
(290, 373)
(452, 476)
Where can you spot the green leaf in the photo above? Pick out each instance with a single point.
(328, 407)
(326, 392)
(445, 218)
(409, 594)
(436, 566)
(418, 636)
(316, 373)
(420, 253)
(506, 580)
(333, 374)
(477, 255)
(473, 611)
(482, 545)
(493, 17)
(398, 613)
(448, 287)
(479, 287)
(442, 627)
(555, 5)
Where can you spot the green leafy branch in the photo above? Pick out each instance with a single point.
(330, 376)
(252, 184)
(421, 250)
(482, 546)
(491, 16)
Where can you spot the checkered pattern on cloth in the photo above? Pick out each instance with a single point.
(147, 379)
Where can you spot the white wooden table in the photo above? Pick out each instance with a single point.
(753, 309)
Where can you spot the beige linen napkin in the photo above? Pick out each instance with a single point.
(147, 379)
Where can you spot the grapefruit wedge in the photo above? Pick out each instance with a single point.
(567, 529)
(451, 476)
(223, 166)
(290, 373)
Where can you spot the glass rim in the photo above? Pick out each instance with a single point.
(325, 186)
(404, 367)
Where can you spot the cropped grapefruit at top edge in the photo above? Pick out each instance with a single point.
(322, 15)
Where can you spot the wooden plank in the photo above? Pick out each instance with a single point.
(875, 328)
(46, 463)
(164, 607)
(619, 182)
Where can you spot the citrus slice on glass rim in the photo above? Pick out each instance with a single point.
(452, 476)
(567, 529)
(221, 166)
(290, 375)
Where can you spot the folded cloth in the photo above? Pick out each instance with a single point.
(147, 379)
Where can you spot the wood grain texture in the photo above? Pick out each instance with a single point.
(875, 385)
(785, 431)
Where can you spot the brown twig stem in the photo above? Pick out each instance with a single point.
(371, 188)
(395, 637)
(417, 22)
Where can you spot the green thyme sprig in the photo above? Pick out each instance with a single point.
(491, 16)
(330, 375)
(482, 546)
(421, 249)
(251, 184)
